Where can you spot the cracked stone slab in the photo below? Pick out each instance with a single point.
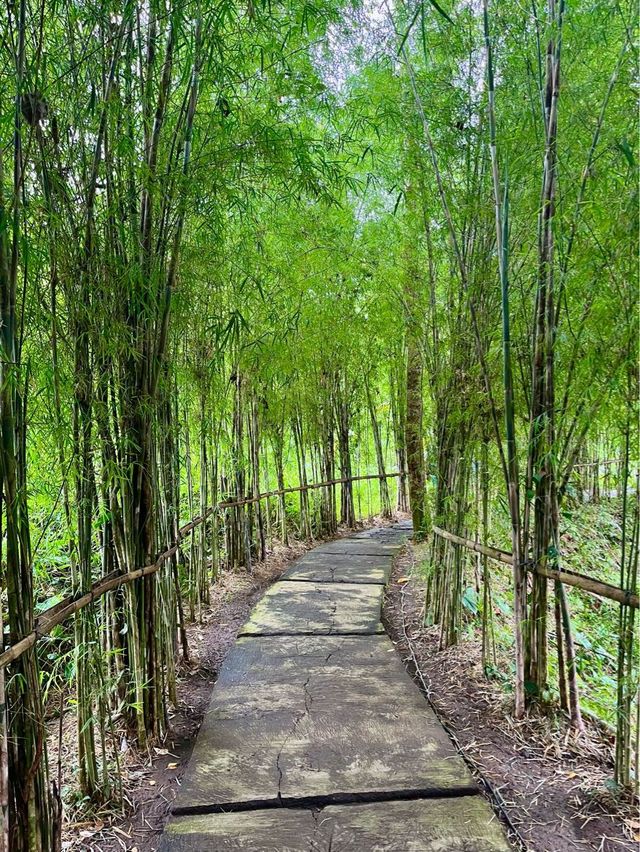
(434, 825)
(324, 608)
(358, 560)
(321, 724)
(340, 568)
(321, 718)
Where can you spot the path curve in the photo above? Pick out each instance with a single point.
(316, 739)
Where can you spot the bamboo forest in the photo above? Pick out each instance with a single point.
(319, 425)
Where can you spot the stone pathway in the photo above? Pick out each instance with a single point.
(316, 739)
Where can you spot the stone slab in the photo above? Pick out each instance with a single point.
(270, 830)
(390, 534)
(340, 568)
(317, 608)
(362, 547)
(358, 560)
(433, 825)
(264, 660)
(317, 718)
(258, 660)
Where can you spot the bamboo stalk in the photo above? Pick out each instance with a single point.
(569, 578)
(501, 205)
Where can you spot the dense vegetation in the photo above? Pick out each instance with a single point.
(249, 247)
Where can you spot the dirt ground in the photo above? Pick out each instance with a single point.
(548, 787)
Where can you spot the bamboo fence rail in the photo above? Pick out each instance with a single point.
(309, 487)
(56, 614)
(601, 463)
(569, 578)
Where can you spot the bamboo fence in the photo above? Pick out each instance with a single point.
(60, 612)
(569, 578)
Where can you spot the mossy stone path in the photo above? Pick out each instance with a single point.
(316, 739)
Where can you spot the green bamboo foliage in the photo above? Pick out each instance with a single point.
(237, 256)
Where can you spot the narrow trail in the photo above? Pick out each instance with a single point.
(316, 739)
